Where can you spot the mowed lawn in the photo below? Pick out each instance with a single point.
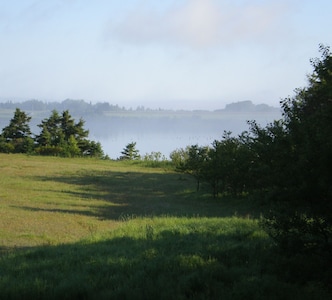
(93, 229)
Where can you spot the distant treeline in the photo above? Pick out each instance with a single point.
(248, 106)
(79, 106)
(83, 107)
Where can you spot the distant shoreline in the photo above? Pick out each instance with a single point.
(85, 107)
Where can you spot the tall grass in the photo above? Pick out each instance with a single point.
(89, 229)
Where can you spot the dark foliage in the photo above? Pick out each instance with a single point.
(60, 136)
(287, 164)
(306, 160)
(16, 137)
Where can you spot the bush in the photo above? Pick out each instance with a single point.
(49, 150)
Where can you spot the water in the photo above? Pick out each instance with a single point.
(165, 135)
(161, 142)
(161, 132)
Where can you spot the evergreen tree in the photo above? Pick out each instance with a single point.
(91, 148)
(72, 148)
(69, 128)
(230, 162)
(51, 132)
(130, 152)
(302, 218)
(61, 135)
(18, 134)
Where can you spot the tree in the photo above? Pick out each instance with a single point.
(229, 164)
(302, 217)
(18, 134)
(69, 128)
(193, 162)
(72, 148)
(51, 132)
(91, 148)
(5, 146)
(179, 157)
(130, 152)
(61, 135)
(271, 153)
(309, 121)
(225, 165)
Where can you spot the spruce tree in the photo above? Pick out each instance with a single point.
(17, 134)
(130, 152)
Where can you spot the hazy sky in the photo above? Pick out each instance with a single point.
(190, 54)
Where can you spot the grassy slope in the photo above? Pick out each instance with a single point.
(49, 200)
(80, 228)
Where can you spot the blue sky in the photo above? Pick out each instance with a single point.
(192, 54)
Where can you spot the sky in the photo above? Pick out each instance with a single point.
(171, 54)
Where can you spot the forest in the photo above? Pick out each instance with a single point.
(286, 164)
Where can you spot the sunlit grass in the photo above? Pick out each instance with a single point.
(50, 200)
(37, 208)
(92, 229)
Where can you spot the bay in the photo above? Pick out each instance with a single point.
(166, 133)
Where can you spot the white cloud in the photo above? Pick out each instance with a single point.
(199, 23)
(196, 24)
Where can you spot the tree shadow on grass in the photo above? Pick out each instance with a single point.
(125, 194)
(167, 264)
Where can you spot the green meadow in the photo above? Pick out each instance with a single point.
(101, 229)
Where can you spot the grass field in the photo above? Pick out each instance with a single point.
(93, 229)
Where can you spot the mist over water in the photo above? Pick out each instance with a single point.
(152, 142)
(166, 134)
(153, 130)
